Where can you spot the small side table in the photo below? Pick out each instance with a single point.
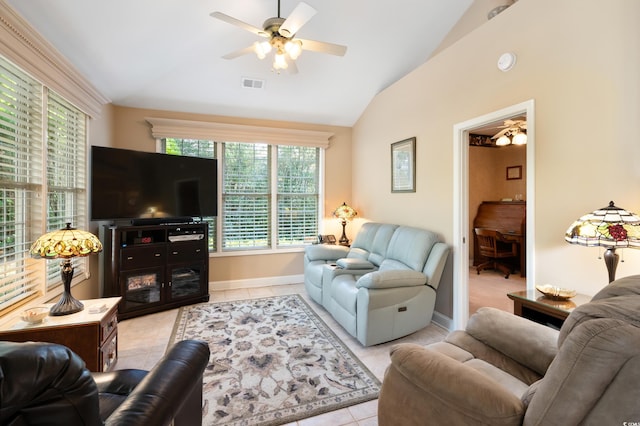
(533, 305)
(93, 336)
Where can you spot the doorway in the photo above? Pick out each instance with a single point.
(461, 203)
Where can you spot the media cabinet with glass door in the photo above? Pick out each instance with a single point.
(155, 267)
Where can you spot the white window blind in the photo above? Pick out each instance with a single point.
(20, 182)
(246, 196)
(66, 174)
(298, 194)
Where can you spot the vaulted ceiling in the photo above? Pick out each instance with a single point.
(167, 54)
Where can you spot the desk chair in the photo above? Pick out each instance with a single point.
(494, 246)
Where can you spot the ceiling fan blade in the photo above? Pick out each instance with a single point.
(292, 68)
(237, 53)
(323, 47)
(300, 16)
(238, 23)
(500, 133)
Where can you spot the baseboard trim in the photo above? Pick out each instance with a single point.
(442, 321)
(255, 282)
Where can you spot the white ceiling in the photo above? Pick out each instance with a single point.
(166, 54)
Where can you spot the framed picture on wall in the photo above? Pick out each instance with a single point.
(403, 166)
(514, 172)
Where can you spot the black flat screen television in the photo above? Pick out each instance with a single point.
(144, 186)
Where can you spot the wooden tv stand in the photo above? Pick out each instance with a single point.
(155, 267)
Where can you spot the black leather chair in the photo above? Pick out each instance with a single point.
(48, 384)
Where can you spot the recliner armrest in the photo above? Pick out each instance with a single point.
(166, 388)
(355, 264)
(392, 278)
(463, 394)
(529, 343)
(325, 252)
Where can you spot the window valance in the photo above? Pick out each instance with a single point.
(225, 132)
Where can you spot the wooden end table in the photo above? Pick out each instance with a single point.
(93, 336)
(533, 305)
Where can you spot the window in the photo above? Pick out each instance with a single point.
(255, 177)
(34, 200)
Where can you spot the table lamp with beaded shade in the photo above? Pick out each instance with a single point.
(610, 227)
(65, 244)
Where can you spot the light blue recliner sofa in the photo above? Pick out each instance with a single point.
(381, 288)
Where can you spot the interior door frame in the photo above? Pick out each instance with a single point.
(461, 203)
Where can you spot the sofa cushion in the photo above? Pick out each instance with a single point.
(411, 246)
(372, 241)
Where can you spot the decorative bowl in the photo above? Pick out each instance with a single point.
(556, 293)
(35, 315)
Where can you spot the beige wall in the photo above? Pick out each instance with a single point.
(131, 131)
(580, 62)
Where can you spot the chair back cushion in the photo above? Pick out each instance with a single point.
(45, 381)
(594, 378)
(372, 241)
(409, 248)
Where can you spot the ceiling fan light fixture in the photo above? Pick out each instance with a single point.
(262, 48)
(520, 139)
(280, 61)
(503, 141)
(293, 48)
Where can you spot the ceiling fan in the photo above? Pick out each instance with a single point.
(281, 37)
(513, 131)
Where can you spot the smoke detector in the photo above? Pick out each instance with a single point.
(506, 61)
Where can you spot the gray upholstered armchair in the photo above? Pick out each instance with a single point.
(507, 370)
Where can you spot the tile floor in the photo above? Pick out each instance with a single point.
(143, 340)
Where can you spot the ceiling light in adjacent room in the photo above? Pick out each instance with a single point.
(519, 139)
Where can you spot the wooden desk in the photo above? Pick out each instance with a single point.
(507, 217)
(93, 336)
(533, 305)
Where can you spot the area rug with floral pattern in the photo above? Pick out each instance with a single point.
(273, 361)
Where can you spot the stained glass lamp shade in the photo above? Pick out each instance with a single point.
(344, 213)
(65, 244)
(610, 227)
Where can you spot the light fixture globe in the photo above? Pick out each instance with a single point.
(65, 244)
(519, 139)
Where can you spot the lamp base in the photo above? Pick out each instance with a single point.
(66, 305)
(611, 260)
(344, 241)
